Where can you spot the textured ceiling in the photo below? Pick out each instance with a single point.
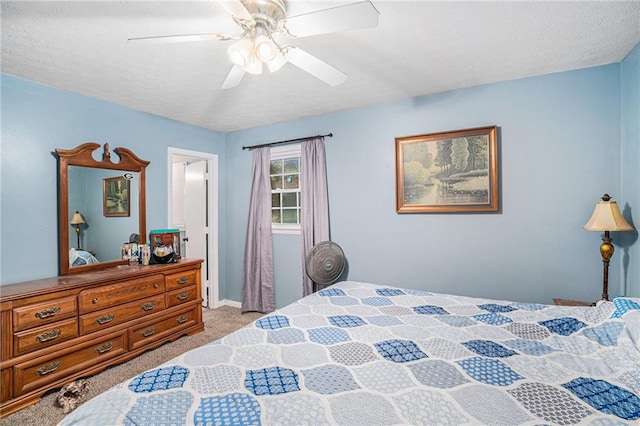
(418, 48)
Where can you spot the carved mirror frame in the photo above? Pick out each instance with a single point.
(82, 156)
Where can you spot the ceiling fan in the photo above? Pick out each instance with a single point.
(265, 30)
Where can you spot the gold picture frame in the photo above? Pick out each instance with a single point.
(115, 197)
(448, 172)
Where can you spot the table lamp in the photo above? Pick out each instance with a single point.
(76, 221)
(607, 217)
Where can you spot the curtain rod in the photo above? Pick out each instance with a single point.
(330, 135)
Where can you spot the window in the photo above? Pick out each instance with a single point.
(285, 189)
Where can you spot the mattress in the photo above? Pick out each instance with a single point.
(366, 354)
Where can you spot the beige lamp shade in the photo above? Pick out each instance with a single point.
(77, 219)
(607, 217)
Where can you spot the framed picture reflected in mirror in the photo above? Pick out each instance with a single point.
(116, 193)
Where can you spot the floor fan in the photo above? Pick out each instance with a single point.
(324, 263)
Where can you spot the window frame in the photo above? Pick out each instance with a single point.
(281, 153)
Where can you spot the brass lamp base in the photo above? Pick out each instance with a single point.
(78, 234)
(606, 251)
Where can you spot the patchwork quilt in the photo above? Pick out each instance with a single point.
(364, 354)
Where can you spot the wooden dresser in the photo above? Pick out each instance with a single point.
(56, 330)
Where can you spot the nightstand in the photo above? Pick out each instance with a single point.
(569, 302)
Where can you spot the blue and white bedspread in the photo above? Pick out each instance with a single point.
(364, 354)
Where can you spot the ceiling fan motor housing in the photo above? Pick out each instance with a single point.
(266, 12)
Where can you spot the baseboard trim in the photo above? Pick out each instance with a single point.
(232, 303)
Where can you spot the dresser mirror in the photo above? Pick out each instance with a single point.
(101, 205)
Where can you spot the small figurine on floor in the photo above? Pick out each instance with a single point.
(72, 394)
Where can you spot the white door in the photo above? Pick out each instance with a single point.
(177, 210)
(195, 218)
(202, 207)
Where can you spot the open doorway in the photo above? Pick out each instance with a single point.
(193, 208)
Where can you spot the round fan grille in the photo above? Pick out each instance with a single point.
(325, 262)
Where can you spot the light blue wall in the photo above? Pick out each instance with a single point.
(630, 170)
(559, 152)
(35, 121)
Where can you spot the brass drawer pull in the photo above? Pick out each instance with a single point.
(182, 319)
(48, 335)
(94, 300)
(48, 368)
(46, 313)
(105, 319)
(182, 296)
(156, 285)
(182, 280)
(148, 332)
(148, 306)
(104, 348)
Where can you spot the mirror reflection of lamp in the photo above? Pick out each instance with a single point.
(76, 221)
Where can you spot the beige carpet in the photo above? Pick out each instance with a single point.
(217, 322)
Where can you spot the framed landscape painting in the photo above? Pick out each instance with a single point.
(448, 172)
(115, 197)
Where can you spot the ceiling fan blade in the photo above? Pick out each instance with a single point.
(181, 38)
(354, 16)
(314, 66)
(240, 14)
(233, 78)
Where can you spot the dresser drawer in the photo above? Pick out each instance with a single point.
(150, 332)
(121, 313)
(44, 313)
(35, 373)
(41, 337)
(181, 280)
(96, 299)
(180, 296)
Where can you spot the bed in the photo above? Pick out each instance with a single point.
(366, 354)
(79, 257)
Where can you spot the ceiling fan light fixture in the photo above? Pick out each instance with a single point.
(277, 62)
(254, 65)
(240, 53)
(265, 49)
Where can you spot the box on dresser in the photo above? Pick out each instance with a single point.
(58, 329)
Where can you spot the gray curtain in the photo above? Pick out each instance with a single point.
(258, 292)
(314, 201)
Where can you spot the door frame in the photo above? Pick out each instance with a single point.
(212, 220)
